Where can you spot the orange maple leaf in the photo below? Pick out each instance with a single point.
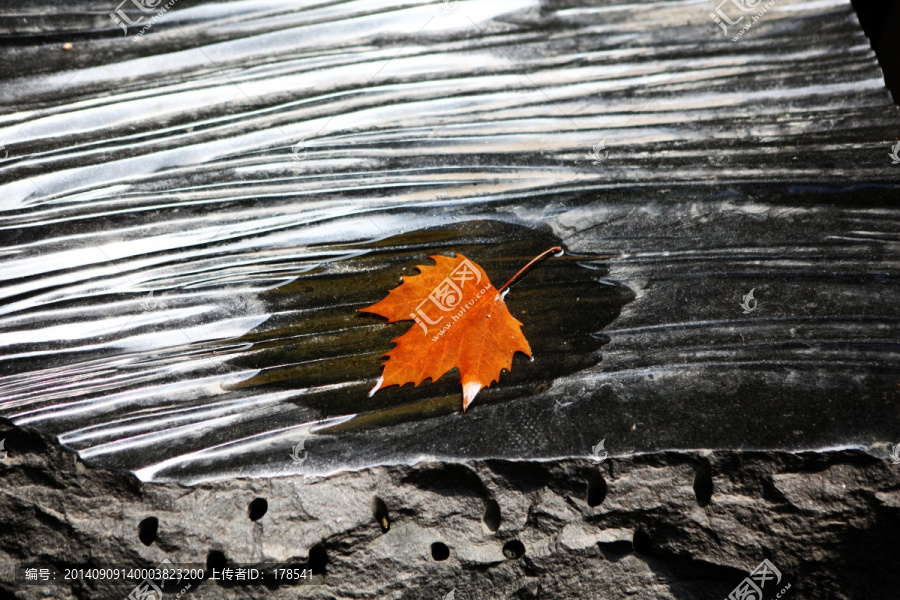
(461, 322)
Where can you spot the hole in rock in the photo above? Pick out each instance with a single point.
(596, 490)
(513, 549)
(440, 551)
(641, 542)
(379, 509)
(615, 550)
(703, 483)
(491, 517)
(258, 508)
(147, 530)
(216, 560)
(318, 558)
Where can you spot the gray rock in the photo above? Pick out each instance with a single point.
(826, 521)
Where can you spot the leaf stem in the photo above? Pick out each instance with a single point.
(537, 258)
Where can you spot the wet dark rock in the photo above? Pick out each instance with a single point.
(189, 223)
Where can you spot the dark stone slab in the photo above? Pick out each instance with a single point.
(190, 219)
(512, 529)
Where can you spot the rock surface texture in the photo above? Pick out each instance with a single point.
(624, 528)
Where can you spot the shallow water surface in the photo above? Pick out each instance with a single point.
(191, 218)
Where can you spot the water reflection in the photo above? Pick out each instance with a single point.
(318, 342)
